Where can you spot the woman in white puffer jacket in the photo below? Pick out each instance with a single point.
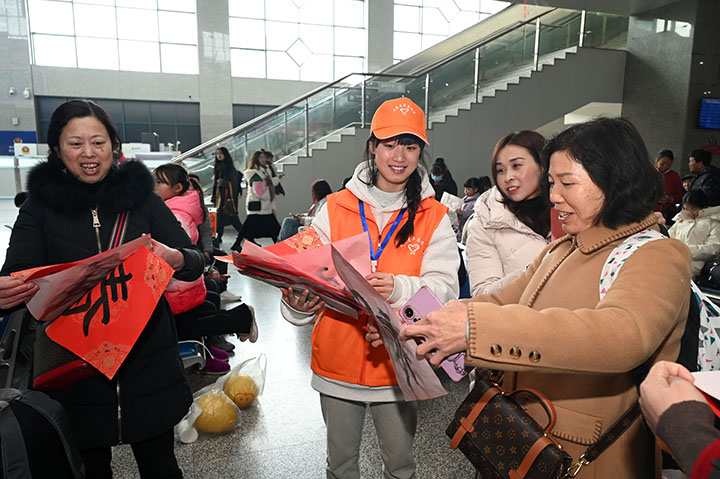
(512, 220)
(698, 226)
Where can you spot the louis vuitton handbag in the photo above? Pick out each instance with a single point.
(504, 442)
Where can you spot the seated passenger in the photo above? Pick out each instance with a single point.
(171, 184)
(673, 185)
(698, 226)
(707, 177)
(471, 188)
(687, 182)
(291, 224)
(196, 315)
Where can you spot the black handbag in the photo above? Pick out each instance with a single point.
(504, 442)
(253, 206)
(709, 277)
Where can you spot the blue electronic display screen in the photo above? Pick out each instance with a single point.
(710, 114)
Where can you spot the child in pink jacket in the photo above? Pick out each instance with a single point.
(196, 316)
(172, 185)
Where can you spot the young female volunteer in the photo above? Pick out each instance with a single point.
(412, 245)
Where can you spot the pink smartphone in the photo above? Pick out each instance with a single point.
(420, 305)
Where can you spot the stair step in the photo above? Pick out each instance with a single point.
(319, 144)
(512, 76)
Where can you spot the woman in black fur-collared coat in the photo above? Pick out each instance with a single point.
(74, 190)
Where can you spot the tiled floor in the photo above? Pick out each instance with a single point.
(283, 434)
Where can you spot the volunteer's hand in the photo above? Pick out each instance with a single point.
(384, 283)
(301, 302)
(373, 336)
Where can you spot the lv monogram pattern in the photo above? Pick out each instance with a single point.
(502, 435)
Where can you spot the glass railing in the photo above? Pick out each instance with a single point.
(291, 129)
(603, 30)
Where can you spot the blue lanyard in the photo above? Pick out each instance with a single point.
(375, 255)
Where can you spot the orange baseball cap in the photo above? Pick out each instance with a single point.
(398, 116)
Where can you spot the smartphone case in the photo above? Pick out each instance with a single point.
(420, 305)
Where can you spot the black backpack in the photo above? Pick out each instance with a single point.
(35, 438)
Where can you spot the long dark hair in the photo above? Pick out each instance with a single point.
(224, 167)
(320, 189)
(77, 109)
(413, 187)
(173, 174)
(527, 210)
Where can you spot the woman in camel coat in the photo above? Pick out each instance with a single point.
(550, 330)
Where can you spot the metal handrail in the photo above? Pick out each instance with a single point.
(485, 41)
(286, 106)
(280, 109)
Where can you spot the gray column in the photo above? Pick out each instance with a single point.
(704, 76)
(379, 34)
(214, 80)
(674, 57)
(16, 112)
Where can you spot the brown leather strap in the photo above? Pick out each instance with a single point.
(529, 458)
(466, 424)
(230, 196)
(549, 408)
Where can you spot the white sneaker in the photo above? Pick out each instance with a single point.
(253, 335)
(230, 297)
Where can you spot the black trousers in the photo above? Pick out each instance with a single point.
(155, 458)
(207, 321)
(223, 221)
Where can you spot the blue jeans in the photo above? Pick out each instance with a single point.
(289, 228)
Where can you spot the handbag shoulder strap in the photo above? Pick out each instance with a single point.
(606, 439)
(117, 237)
(230, 196)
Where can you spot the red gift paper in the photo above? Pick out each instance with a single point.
(103, 325)
(336, 272)
(303, 262)
(305, 240)
(60, 285)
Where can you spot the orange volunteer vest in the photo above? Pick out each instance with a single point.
(339, 348)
